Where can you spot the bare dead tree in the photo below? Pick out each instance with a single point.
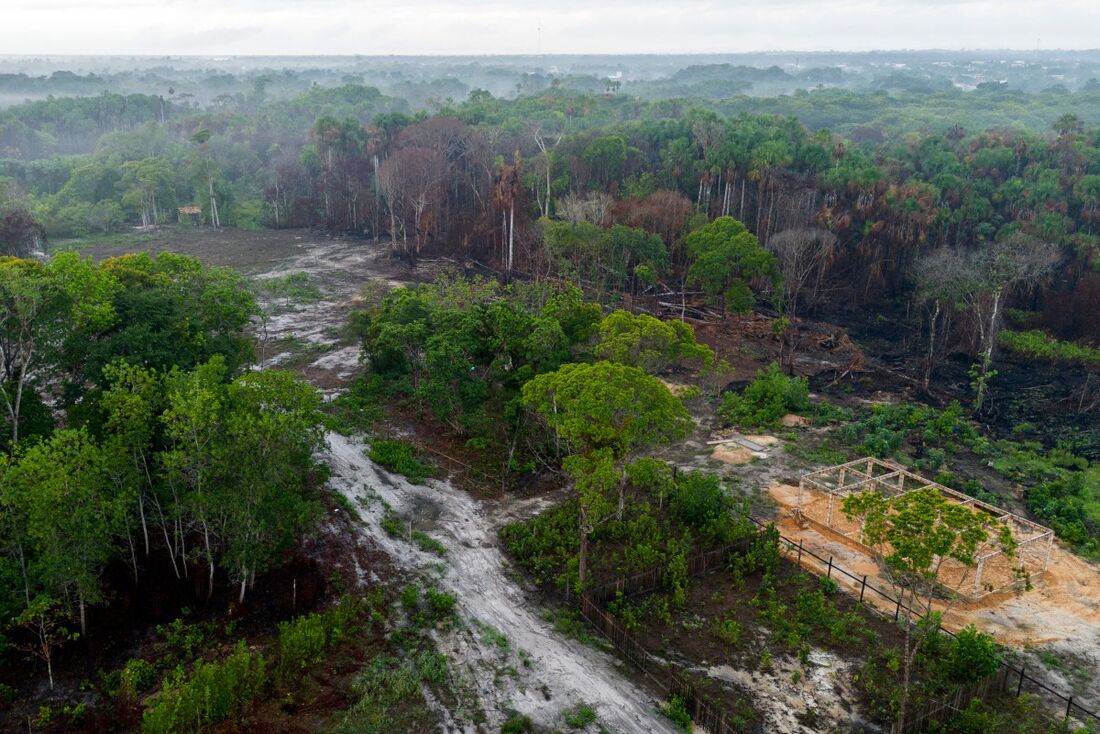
(804, 256)
(593, 208)
(943, 279)
(545, 148)
(1001, 268)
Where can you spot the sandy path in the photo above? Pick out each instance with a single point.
(552, 673)
(563, 672)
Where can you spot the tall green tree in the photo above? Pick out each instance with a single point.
(73, 517)
(193, 426)
(273, 418)
(911, 537)
(42, 306)
(726, 260)
(600, 414)
(648, 343)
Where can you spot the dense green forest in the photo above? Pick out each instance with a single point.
(601, 262)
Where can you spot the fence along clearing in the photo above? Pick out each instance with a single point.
(710, 715)
(821, 492)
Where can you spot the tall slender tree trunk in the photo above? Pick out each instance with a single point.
(546, 205)
(989, 339)
(133, 555)
(209, 560)
(582, 558)
(144, 525)
(214, 218)
(931, 347)
(511, 233)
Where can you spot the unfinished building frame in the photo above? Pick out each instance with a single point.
(821, 493)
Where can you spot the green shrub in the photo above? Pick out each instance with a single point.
(303, 640)
(137, 677)
(728, 631)
(210, 694)
(428, 544)
(545, 544)
(410, 597)
(698, 500)
(441, 604)
(400, 458)
(973, 656)
(579, 716)
(1071, 506)
(183, 639)
(394, 525)
(891, 428)
(676, 711)
(1043, 346)
(770, 396)
(517, 724)
(390, 699)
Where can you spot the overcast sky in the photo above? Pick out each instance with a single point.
(568, 26)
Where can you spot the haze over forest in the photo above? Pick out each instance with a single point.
(602, 367)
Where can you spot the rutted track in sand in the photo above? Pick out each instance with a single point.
(476, 572)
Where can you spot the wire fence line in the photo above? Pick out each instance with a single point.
(668, 680)
(1009, 679)
(1066, 705)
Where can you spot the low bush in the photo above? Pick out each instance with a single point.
(676, 711)
(390, 699)
(517, 724)
(891, 429)
(770, 396)
(304, 640)
(972, 656)
(728, 631)
(400, 458)
(579, 716)
(137, 677)
(428, 544)
(211, 693)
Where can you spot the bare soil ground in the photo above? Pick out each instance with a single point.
(245, 250)
(1059, 615)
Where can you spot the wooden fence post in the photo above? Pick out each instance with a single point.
(897, 612)
(1020, 686)
(829, 575)
(862, 588)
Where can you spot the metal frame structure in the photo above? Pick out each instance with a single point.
(1034, 541)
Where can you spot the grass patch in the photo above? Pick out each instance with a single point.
(568, 623)
(291, 288)
(579, 716)
(356, 410)
(492, 636)
(400, 458)
(428, 544)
